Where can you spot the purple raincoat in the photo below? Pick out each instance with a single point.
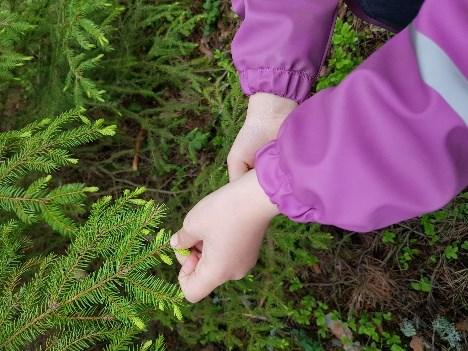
(389, 143)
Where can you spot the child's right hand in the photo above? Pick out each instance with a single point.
(265, 114)
(224, 232)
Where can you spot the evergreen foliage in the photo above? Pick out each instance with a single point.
(98, 290)
(85, 25)
(40, 149)
(12, 27)
(103, 288)
(140, 67)
(153, 80)
(64, 42)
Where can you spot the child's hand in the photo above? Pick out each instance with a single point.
(265, 114)
(225, 231)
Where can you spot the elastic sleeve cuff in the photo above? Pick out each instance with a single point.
(277, 185)
(294, 85)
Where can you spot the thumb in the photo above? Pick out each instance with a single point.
(183, 240)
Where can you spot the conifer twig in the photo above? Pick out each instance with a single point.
(138, 141)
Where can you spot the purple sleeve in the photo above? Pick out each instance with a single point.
(390, 142)
(280, 44)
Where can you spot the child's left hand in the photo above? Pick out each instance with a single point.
(225, 231)
(265, 115)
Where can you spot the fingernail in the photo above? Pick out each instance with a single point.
(174, 240)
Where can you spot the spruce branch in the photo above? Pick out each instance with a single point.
(69, 306)
(41, 148)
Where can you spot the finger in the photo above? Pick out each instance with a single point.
(189, 265)
(237, 169)
(197, 278)
(183, 240)
(181, 258)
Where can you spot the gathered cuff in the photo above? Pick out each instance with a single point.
(277, 185)
(294, 85)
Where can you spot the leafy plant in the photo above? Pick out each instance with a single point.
(427, 222)
(451, 251)
(464, 246)
(424, 285)
(306, 343)
(212, 14)
(344, 55)
(407, 255)
(388, 237)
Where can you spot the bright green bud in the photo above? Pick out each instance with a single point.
(109, 130)
(85, 120)
(26, 134)
(182, 252)
(147, 345)
(177, 312)
(139, 202)
(138, 323)
(166, 259)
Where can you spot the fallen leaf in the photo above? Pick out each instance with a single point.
(338, 328)
(343, 334)
(417, 343)
(462, 326)
(316, 269)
